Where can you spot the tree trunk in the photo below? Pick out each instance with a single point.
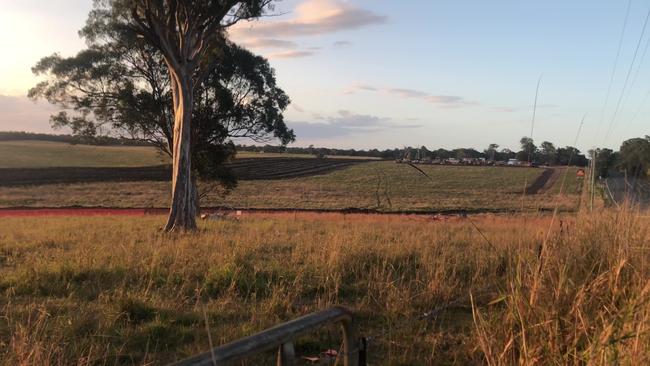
(182, 214)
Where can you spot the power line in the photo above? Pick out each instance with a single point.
(532, 122)
(634, 79)
(638, 69)
(627, 78)
(613, 74)
(636, 114)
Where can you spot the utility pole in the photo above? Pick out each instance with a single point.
(593, 178)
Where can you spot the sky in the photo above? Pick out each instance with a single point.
(385, 74)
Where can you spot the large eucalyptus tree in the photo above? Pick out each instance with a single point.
(164, 71)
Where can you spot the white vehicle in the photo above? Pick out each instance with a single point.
(513, 162)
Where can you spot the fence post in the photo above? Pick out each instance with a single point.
(286, 355)
(350, 344)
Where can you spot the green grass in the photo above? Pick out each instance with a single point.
(384, 186)
(393, 187)
(43, 154)
(117, 291)
(381, 185)
(568, 181)
(251, 154)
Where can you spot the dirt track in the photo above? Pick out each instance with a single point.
(545, 181)
(109, 211)
(69, 211)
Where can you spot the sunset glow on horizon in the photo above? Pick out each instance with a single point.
(380, 74)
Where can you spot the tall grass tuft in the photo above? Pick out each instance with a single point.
(592, 298)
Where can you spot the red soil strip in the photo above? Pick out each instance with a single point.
(101, 211)
(265, 212)
(214, 214)
(72, 212)
(217, 213)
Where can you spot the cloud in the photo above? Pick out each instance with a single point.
(447, 101)
(359, 87)
(348, 119)
(289, 54)
(407, 93)
(340, 44)
(345, 123)
(265, 43)
(307, 130)
(18, 113)
(312, 18)
(297, 108)
(407, 126)
(316, 115)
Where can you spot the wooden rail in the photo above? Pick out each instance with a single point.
(281, 337)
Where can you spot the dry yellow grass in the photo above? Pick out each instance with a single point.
(117, 291)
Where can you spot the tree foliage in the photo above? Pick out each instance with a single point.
(120, 86)
(635, 156)
(605, 161)
(491, 151)
(528, 149)
(548, 153)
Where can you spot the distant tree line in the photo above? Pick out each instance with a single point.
(632, 158)
(71, 139)
(320, 151)
(546, 153)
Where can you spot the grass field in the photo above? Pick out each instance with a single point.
(393, 187)
(384, 186)
(381, 185)
(250, 154)
(43, 154)
(116, 291)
